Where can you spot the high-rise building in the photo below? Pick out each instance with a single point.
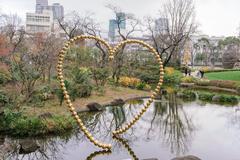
(161, 25)
(45, 18)
(56, 8)
(114, 23)
(58, 11)
(112, 27)
(40, 4)
(121, 19)
(39, 22)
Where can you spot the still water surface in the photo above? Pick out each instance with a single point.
(166, 130)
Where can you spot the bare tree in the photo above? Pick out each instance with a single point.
(170, 32)
(11, 27)
(91, 27)
(124, 33)
(72, 24)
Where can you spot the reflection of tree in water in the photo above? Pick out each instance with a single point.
(41, 149)
(168, 119)
(173, 123)
(118, 115)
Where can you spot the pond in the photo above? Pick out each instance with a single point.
(167, 130)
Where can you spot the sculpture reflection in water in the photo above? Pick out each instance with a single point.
(125, 145)
(98, 153)
(171, 121)
(165, 120)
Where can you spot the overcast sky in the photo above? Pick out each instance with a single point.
(216, 17)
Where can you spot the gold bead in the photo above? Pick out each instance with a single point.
(91, 139)
(66, 96)
(111, 57)
(76, 116)
(60, 62)
(74, 113)
(69, 101)
(109, 146)
(84, 128)
(65, 49)
(87, 134)
(96, 142)
(62, 83)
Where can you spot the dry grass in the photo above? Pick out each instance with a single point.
(110, 94)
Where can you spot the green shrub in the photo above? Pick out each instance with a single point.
(148, 77)
(172, 76)
(4, 77)
(4, 99)
(188, 94)
(81, 75)
(204, 96)
(228, 99)
(16, 124)
(60, 95)
(100, 75)
(80, 86)
(188, 79)
(141, 86)
(81, 90)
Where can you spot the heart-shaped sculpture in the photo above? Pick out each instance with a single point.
(111, 51)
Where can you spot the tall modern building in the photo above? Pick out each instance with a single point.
(161, 25)
(58, 11)
(39, 22)
(56, 8)
(113, 25)
(40, 4)
(121, 19)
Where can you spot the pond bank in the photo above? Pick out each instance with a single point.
(56, 120)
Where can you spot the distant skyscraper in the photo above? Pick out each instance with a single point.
(121, 17)
(161, 25)
(58, 11)
(40, 4)
(113, 25)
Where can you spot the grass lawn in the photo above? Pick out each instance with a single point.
(228, 75)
